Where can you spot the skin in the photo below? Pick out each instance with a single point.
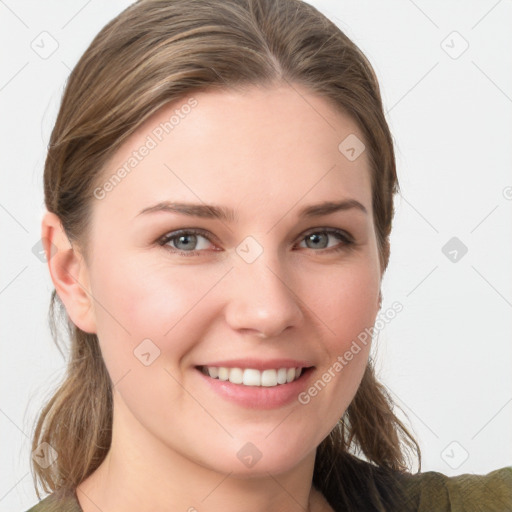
(266, 153)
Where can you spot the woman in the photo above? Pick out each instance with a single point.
(219, 187)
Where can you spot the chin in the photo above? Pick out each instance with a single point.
(258, 459)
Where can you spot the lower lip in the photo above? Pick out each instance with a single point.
(259, 397)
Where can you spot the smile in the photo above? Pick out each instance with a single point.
(251, 376)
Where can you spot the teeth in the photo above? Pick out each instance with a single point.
(214, 372)
(281, 376)
(269, 378)
(236, 375)
(252, 377)
(223, 374)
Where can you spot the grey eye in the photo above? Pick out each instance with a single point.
(317, 240)
(187, 241)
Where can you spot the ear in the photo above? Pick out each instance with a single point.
(69, 273)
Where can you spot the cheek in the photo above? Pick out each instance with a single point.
(150, 301)
(345, 301)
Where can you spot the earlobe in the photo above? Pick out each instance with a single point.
(69, 273)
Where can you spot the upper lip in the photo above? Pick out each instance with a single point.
(259, 364)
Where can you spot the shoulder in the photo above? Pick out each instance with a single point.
(462, 493)
(58, 502)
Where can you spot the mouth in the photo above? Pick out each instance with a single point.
(251, 377)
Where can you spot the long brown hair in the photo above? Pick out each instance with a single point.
(159, 51)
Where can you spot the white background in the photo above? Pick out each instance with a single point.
(447, 356)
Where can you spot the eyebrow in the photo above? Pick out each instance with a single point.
(211, 211)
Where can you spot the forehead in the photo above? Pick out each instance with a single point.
(267, 148)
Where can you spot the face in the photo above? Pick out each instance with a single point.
(271, 284)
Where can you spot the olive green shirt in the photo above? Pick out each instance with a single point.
(426, 492)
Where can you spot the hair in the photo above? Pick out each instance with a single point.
(160, 51)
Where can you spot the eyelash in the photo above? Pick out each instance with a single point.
(346, 239)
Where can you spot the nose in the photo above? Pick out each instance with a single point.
(262, 300)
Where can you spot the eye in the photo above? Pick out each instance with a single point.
(320, 240)
(186, 242)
